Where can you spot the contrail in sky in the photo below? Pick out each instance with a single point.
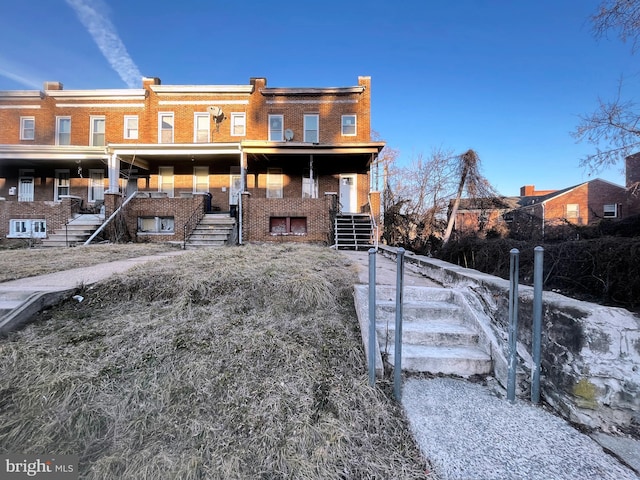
(106, 37)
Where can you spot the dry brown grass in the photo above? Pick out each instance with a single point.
(22, 263)
(241, 363)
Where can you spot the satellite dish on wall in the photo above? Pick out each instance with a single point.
(215, 111)
(288, 134)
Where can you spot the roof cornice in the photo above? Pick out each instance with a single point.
(273, 92)
(207, 89)
(107, 94)
(20, 94)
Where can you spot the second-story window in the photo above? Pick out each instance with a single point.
(63, 131)
(276, 123)
(201, 128)
(165, 128)
(238, 124)
(97, 131)
(349, 125)
(131, 127)
(311, 128)
(27, 128)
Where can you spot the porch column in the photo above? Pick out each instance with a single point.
(114, 173)
(312, 188)
(243, 171)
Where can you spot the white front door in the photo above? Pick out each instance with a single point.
(25, 189)
(348, 193)
(235, 188)
(96, 185)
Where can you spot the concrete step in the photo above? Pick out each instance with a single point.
(418, 311)
(433, 333)
(462, 361)
(209, 236)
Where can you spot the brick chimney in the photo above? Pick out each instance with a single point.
(52, 86)
(527, 190)
(632, 169)
(147, 81)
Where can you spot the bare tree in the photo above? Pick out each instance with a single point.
(614, 127)
(471, 181)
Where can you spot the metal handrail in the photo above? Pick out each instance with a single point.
(376, 229)
(190, 224)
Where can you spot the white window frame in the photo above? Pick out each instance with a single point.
(309, 189)
(161, 115)
(59, 183)
(131, 133)
(311, 135)
(573, 210)
(93, 119)
(163, 225)
(26, 177)
(238, 124)
(27, 132)
(96, 185)
(166, 180)
(275, 183)
(274, 134)
(610, 210)
(201, 179)
(196, 131)
(346, 125)
(27, 228)
(59, 131)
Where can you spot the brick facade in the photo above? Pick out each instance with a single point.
(148, 140)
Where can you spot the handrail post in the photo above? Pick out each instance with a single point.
(66, 234)
(397, 352)
(513, 323)
(372, 317)
(537, 322)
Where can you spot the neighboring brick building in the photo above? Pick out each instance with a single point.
(283, 160)
(535, 210)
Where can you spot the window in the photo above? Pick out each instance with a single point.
(27, 228)
(156, 225)
(288, 225)
(309, 188)
(275, 128)
(611, 211)
(573, 210)
(62, 184)
(63, 130)
(348, 125)
(311, 128)
(27, 128)
(239, 124)
(131, 127)
(200, 179)
(165, 180)
(97, 131)
(274, 183)
(96, 185)
(165, 128)
(201, 128)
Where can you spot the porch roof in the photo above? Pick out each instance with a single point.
(51, 152)
(302, 148)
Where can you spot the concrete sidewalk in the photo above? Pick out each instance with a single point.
(21, 299)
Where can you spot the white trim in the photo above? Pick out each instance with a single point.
(160, 89)
(234, 116)
(57, 133)
(108, 94)
(100, 105)
(353, 193)
(196, 116)
(20, 94)
(124, 133)
(57, 186)
(29, 230)
(173, 126)
(92, 130)
(282, 101)
(20, 107)
(355, 125)
(23, 129)
(317, 129)
(203, 102)
(271, 138)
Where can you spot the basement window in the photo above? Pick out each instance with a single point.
(288, 225)
(611, 211)
(27, 228)
(155, 225)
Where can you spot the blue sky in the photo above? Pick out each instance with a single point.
(508, 78)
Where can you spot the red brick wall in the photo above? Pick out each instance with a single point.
(591, 198)
(56, 214)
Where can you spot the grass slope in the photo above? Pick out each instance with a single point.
(218, 364)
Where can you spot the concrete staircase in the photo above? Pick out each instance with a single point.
(353, 231)
(438, 336)
(77, 231)
(214, 230)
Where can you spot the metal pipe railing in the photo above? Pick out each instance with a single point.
(537, 323)
(372, 317)
(397, 352)
(190, 224)
(513, 324)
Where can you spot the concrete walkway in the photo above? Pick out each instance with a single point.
(470, 431)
